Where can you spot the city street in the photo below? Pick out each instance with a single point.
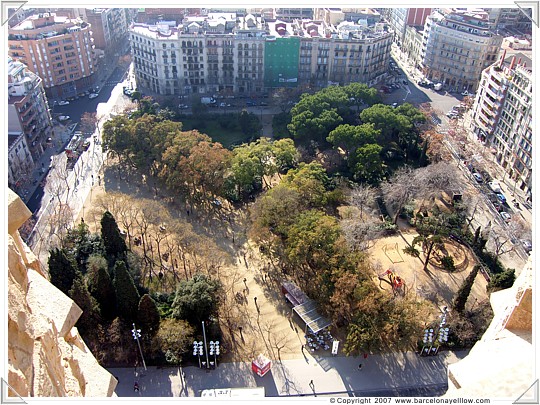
(391, 374)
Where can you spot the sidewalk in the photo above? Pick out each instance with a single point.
(41, 166)
(338, 376)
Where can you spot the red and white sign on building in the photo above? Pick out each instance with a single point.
(261, 365)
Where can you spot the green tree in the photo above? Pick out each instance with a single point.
(62, 270)
(89, 319)
(367, 164)
(311, 182)
(502, 280)
(196, 299)
(127, 296)
(148, 315)
(360, 94)
(101, 286)
(463, 293)
(249, 123)
(348, 137)
(115, 245)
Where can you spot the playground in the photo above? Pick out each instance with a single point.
(400, 273)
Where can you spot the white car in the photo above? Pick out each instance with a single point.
(478, 177)
(494, 185)
(506, 216)
(63, 118)
(63, 102)
(93, 95)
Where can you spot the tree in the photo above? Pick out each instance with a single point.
(101, 286)
(173, 339)
(115, 245)
(249, 123)
(62, 270)
(89, 319)
(399, 190)
(127, 296)
(367, 164)
(196, 299)
(502, 280)
(148, 315)
(88, 122)
(311, 181)
(463, 293)
(360, 94)
(362, 196)
(348, 137)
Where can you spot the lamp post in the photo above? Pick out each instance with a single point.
(205, 346)
(214, 349)
(136, 335)
(197, 350)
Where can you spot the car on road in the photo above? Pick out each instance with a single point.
(263, 103)
(224, 105)
(93, 95)
(505, 216)
(405, 82)
(86, 145)
(63, 118)
(63, 102)
(501, 197)
(527, 245)
(478, 177)
(251, 103)
(183, 106)
(494, 185)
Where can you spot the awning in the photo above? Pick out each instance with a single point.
(309, 314)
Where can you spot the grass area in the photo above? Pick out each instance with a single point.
(222, 128)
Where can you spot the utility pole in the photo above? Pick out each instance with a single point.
(136, 335)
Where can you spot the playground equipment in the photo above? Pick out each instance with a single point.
(397, 283)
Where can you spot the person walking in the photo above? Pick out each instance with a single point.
(360, 367)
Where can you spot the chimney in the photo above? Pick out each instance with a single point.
(512, 63)
(502, 59)
(519, 61)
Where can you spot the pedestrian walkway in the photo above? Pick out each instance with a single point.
(339, 376)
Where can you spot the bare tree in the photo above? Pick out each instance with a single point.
(437, 178)
(501, 241)
(399, 190)
(360, 235)
(362, 196)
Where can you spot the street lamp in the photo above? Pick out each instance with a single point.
(214, 349)
(198, 350)
(136, 335)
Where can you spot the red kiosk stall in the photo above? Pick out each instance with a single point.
(261, 365)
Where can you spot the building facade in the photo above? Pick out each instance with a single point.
(109, 28)
(457, 46)
(502, 117)
(28, 110)
(223, 52)
(58, 49)
(401, 18)
(20, 162)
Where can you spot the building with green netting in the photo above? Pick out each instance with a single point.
(281, 56)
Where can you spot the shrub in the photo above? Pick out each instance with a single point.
(447, 263)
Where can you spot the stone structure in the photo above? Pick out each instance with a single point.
(46, 355)
(501, 364)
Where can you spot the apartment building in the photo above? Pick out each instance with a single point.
(109, 28)
(28, 111)
(401, 18)
(20, 162)
(412, 44)
(290, 14)
(457, 46)
(343, 54)
(224, 52)
(58, 49)
(333, 16)
(502, 116)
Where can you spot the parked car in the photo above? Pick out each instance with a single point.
(478, 177)
(183, 106)
(405, 82)
(63, 118)
(527, 245)
(93, 95)
(505, 216)
(501, 197)
(86, 145)
(224, 105)
(263, 103)
(251, 103)
(394, 105)
(63, 102)
(494, 185)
